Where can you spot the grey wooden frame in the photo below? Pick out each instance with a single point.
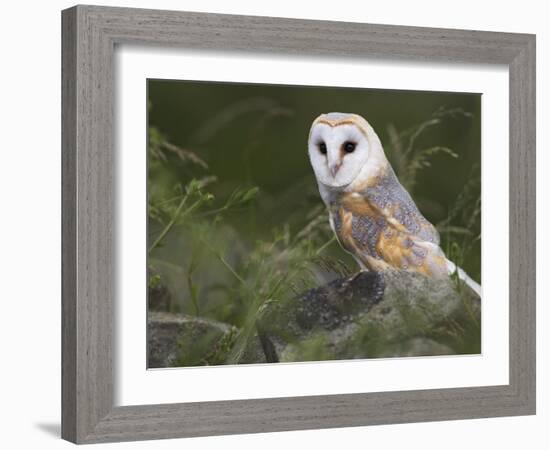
(90, 34)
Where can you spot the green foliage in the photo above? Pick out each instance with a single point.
(314, 348)
(276, 271)
(154, 281)
(204, 349)
(270, 270)
(460, 230)
(461, 241)
(406, 157)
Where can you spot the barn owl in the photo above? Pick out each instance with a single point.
(373, 217)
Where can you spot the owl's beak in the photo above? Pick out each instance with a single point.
(334, 168)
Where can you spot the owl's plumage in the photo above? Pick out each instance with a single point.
(373, 216)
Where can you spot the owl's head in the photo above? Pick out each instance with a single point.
(341, 147)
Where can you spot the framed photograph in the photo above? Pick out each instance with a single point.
(266, 230)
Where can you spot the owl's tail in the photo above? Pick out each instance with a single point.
(452, 268)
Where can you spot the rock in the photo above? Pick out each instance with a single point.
(327, 312)
(367, 315)
(179, 340)
(373, 315)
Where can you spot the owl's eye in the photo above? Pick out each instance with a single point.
(323, 148)
(349, 147)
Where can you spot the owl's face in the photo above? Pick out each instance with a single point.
(338, 148)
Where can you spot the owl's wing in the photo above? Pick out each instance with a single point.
(383, 228)
(399, 209)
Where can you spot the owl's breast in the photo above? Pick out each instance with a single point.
(357, 224)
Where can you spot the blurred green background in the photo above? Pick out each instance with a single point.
(248, 143)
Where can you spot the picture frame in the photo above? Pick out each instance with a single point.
(89, 37)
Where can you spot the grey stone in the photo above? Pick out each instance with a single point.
(368, 315)
(173, 340)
